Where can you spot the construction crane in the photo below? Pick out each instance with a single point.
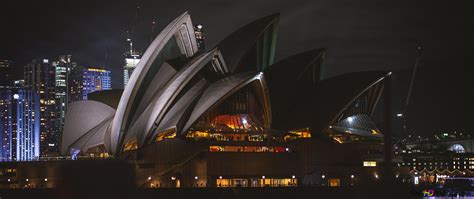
(403, 115)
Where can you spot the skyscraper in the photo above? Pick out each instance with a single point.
(28, 125)
(5, 72)
(95, 80)
(40, 79)
(62, 70)
(132, 57)
(6, 124)
(200, 39)
(75, 84)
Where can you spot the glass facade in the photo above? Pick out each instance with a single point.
(6, 125)
(28, 126)
(94, 79)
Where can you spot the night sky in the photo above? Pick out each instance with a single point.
(359, 36)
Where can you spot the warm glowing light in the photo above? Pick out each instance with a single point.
(220, 177)
(352, 176)
(27, 179)
(46, 179)
(293, 176)
(263, 177)
(149, 177)
(369, 164)
(173, 178)
(195, 177)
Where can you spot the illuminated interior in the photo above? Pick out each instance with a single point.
(167, 134)
(97, 152)
(241, 117)
(256, 182)
(130, 145)
(298, 134)
(274, 149)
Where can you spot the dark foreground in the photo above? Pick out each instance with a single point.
(375, 191)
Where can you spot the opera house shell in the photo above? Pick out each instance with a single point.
(234, 92)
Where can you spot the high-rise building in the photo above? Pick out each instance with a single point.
(62, 69)
(200, 39)
(28, 118)
(75, 84)
(6, 125)
(5, 72)
(132, 57)
(94, 79)
(40, 79)
(19, 124)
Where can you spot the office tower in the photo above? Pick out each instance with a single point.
(200, 39)
(75, 84)
(40, 78)
(94, 79)
(28, 119)
(132, 57)
(5, 72)
(62, 69)
(6, 126)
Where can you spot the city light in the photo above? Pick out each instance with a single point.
(399, 115)
(46, 179)
(350, 119)
(195, 177)
(323, 176)
(220, 177)
(173, 178)
(263, 177)
(149, 177)
(27, 179)
(293, 176)
(352, 176)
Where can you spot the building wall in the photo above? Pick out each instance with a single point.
(40, 77)
(95, 80)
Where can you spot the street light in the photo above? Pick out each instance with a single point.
(195, 177)
(352, 176)
(149, 177)
(293, 176)
(46, 179)
(323, 176)
(399, 115)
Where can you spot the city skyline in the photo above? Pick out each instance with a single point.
(359, 36)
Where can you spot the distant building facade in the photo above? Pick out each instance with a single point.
(200, 38)
(5, 72)
(40, 78)
(131, 60)
(62, 70)
(95, 80)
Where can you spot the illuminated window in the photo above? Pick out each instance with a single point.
(334, 182)
(168, 134)
(370, 164)
(131, 145)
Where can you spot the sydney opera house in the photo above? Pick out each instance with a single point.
(232, 116)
